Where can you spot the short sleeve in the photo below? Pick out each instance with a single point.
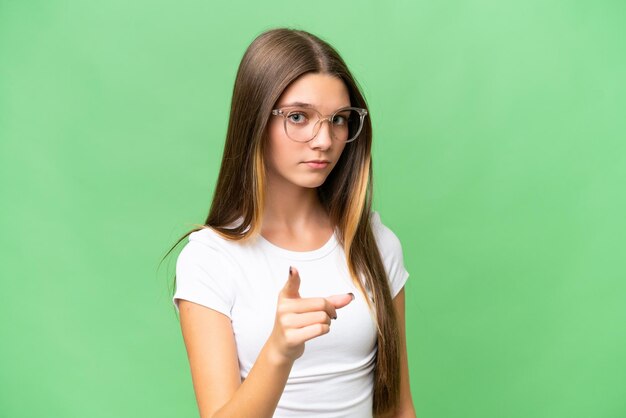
(391, 253)
(202, 277)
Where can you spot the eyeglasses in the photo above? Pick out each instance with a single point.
(302, 124)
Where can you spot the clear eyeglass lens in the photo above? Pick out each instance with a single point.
(303, 124)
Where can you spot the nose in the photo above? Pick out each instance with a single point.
(323, 138)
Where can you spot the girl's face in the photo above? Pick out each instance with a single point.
(290, 161)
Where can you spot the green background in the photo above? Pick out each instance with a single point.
(499, 158)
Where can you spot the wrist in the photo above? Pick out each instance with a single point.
(275, 357)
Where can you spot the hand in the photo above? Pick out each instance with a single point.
(301, 319)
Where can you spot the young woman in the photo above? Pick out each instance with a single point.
(291, 295)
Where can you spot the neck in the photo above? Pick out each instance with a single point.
(292, 208)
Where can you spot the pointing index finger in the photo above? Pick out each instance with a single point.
(292, 285)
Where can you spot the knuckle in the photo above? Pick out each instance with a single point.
(321, 304)
(282, 308)
(329, 307)
(291, 339)
(284, 321)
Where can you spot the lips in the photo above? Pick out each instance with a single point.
(317, 164)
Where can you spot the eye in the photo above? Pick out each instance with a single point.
(297, 118)
(339, 120)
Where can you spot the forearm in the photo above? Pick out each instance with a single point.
(260, 392)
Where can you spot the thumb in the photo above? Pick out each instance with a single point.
(292, 286)
(339, 301)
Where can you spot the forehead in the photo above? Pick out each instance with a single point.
(324, 92)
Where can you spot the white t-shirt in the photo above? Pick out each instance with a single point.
(334, 376)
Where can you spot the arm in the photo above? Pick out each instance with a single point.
(212, 353)
(406, 408)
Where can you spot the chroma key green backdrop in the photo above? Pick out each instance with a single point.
(499, 161)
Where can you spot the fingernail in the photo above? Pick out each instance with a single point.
(351, 294)
(334, 317)
(290, 270)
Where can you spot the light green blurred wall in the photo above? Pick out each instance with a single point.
(499, 161)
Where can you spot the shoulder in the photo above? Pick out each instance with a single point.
(205, 270)
(209, 237)
(386, 239)
(206, 247)
(391, 255)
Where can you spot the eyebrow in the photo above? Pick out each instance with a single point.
(302, 104)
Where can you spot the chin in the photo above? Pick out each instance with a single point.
(311, 183)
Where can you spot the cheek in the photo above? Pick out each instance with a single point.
(276, 137)
(339, 150)
(278, 146)
(270, 137)
(275, 129)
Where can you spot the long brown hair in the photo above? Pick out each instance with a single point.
(272, 62)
